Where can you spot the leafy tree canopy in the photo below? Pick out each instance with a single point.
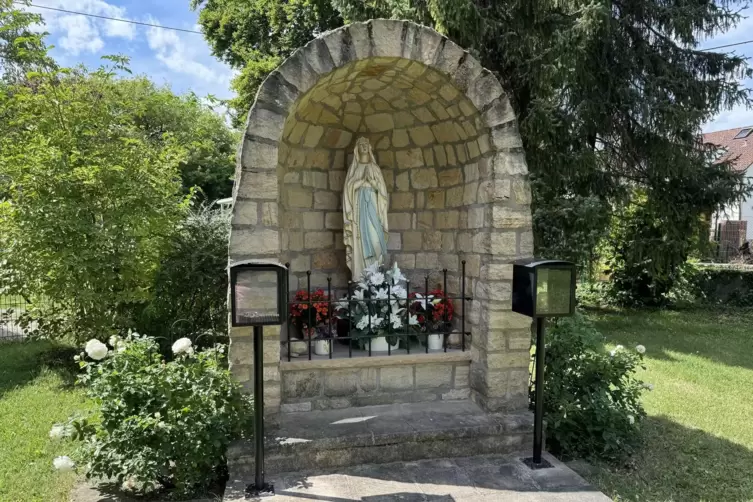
(610, 95)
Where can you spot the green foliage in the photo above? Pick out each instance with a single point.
(21, 48)
(91, 200)
(189, 294)
(209, 159)
(610, 96)
(591, 399)
(722, 285)
(159, 424)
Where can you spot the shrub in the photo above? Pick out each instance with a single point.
(191, 281)
(592, 398)
(160, 424)
(719, 285)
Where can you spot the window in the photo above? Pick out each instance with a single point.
(743, 133)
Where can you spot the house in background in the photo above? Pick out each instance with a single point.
(733, 226)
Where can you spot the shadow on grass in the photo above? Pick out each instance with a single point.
(723, 336)
(23, 361)
(678, 463)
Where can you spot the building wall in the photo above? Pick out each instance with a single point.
(746, 207)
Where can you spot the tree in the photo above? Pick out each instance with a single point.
(209, 143)
(610, 95)
(20, 46)
(92, 200)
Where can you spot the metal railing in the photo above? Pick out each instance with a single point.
(13, 326)
(361, 344)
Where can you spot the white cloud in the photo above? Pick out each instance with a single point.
(187, 54)
(81, 33)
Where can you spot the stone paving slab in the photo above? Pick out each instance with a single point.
(471, 479)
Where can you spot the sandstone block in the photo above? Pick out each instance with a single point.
(298, 197)
(447, 219)
(380, 122)
(407, 159)
(506, 137)
(318, 240)
(254, 242)
(396, 378)
(265, 123)
(503, 244)
(505, 217)
(325, 200)
(395, 242)
(301, 384)
(424, 220)
(333, 221)
(402, 181)
(269, 214)
(261, 185)
(412, 241)
(313, 221)
(432, 240)
(325, 260)
(450, 177)
(258, 155)
(435, 199)
(400, 138)
(399, 221)
(445, 132)
(406, 261)
(402, 200)
(421, 135)
(423, 178)
(245, 213)
(433, 375)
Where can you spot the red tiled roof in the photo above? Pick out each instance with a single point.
(740, 151)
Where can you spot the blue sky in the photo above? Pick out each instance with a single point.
(184, 62)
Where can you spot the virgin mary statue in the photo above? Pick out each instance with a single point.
(365, 203)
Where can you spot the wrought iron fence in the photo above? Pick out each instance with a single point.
(13, 326)
(413, 334)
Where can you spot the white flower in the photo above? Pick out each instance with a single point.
(413, 320)
(399, 292)
(377, 279)
(96, 349)
(616, 350)
(371, 269)
(376, 321)
(358, 294)
(640, 349)
(396, 321)
(361, 325)
(436, 301)
(422, 301)
(648, 386)
(396, 274)
(396, 308)
(57, 431)
(63, 463)
(631, 419)
(381, 294)
(182, 346)
(114, 340)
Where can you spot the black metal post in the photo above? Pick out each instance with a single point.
(538, 424)
(259, 488)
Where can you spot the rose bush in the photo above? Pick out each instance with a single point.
(159, 425)
(592, 397)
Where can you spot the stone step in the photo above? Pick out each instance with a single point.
(382, 434)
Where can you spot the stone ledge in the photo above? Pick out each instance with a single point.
(376, 361)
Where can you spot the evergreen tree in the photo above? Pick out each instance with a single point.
(610, 95)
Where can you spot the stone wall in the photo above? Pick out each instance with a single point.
(446, 139)
(370, 381)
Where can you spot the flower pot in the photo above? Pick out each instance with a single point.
(435, 342)
(321, 347)
(379, 344)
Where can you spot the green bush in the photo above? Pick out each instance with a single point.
(159, 424)
(592, 398)
(718, 285)
(189, 294)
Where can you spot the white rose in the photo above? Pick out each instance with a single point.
(640, 349)
(96, 349)
(182, 346)
(631, 419)
(63, 463)
(57, 431)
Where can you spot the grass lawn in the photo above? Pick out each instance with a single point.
(699, 431)
(35, 392)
